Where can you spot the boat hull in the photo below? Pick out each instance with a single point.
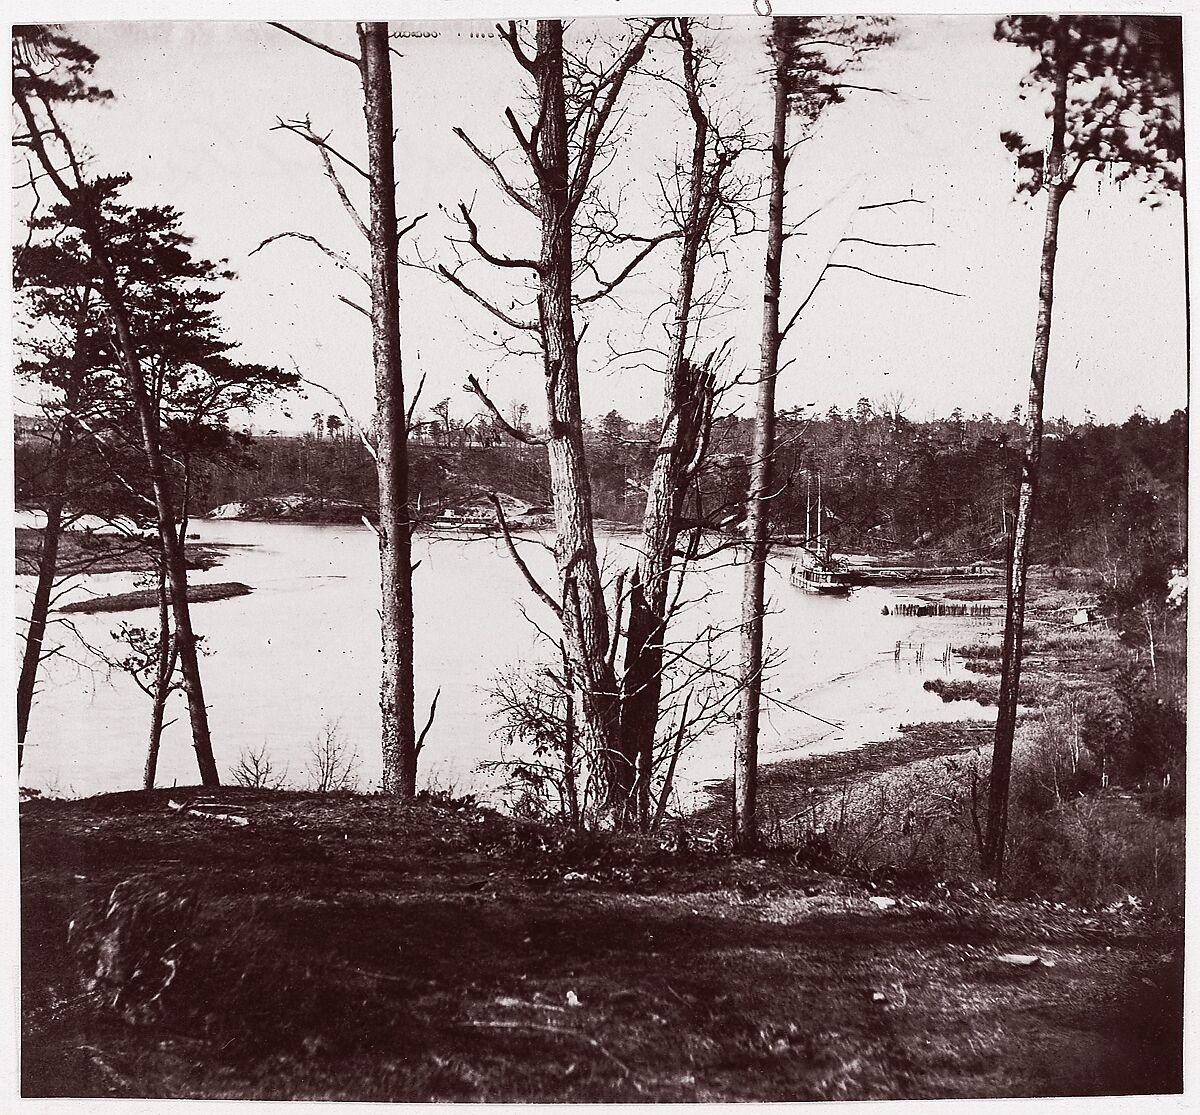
(823, 590)
(819, 574)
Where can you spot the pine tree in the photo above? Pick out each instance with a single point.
(1113, 84)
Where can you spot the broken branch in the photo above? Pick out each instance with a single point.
(530, 579)
(319, 45)
(472, 385)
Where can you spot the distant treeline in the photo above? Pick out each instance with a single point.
(944, 486)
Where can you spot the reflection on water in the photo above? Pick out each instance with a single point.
(303, 650)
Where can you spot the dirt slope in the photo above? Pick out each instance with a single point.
(339, 947)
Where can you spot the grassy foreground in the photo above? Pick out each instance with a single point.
(341, 947)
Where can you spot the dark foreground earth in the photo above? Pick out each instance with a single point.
(339, 947)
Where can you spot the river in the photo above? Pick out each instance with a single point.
(301, 652)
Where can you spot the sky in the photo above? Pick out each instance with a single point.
(192, 120)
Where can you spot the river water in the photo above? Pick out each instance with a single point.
(301, 652)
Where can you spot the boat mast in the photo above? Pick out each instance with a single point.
(820, 528)
(808, 511)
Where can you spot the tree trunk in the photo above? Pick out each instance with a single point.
(686, 398)
(168, 655)
(584, 613)
(88, 217)
(1018, 563)
(35, 637)
(395, 525)
(745, 767)
(47, 570)
(172, 542)
(570, 773)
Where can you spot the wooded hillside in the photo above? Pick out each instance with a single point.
(941, 485)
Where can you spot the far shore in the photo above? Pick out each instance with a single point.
(85, 552)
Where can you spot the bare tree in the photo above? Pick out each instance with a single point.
(745, 764)
(333, 760)
(1114, 84)
(389, 443)
(689, 390)
(256, 771)
(574, 102)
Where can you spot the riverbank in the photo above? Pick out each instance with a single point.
(1092, 819)
(789, 789)
(304, 954)
(83, 552)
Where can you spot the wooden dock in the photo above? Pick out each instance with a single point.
(915, 652)
(915, 574)
(972, 611)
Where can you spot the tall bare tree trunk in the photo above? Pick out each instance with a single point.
(36, 635)
(687, 398)
(1018, 562)
(758, 508)
(584, 613)
(395, 525)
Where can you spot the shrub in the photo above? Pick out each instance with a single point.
(256, 771)
(1138, 736)
(333, 761)
(913, 821)
(1051, 758)
(1100, 851)
(1066, 840)
(985, 692)
(979, 650)
(1077, 639)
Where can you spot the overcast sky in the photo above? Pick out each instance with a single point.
(192, 119)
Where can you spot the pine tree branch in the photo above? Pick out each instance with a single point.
(305, 132)
(473, 240)
(527, 145)
(401, 233)
(885, 244)
(893, 279)
(509, 35)
(607, 288)
(412, 406)
(351, 421)
(429, 722)
(354, 305)
(594, 128)
(889, 204)
(347, 204)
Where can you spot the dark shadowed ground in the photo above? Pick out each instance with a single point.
(339, 947)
